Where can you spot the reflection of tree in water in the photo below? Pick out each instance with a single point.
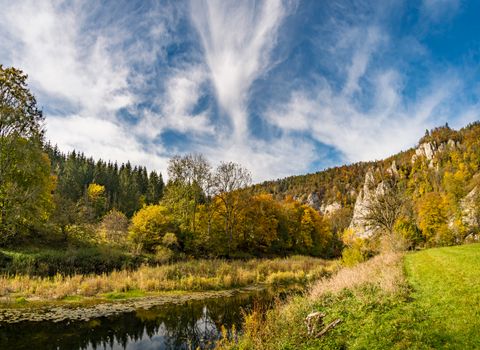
(184, 326)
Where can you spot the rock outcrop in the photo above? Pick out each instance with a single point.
(469, 208)
(364, 200)
(429, 150)
(313, 200)
(328, 209)
(392, 170)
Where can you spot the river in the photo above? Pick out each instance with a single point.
(190, 325)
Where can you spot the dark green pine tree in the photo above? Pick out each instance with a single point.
(128, 196)
(155, 188)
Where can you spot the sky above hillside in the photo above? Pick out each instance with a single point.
(282, 87)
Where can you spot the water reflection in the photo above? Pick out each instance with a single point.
(192, 325)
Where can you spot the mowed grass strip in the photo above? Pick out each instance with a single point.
(446, 288)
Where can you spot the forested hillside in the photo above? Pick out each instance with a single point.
(69, 201)
(126, 188)
(427, 195)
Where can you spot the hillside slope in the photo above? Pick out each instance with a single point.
(439, 181)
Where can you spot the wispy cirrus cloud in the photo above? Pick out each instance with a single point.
(281, 86)
(237, 42)
(178, 105)
(388, 126)
(237, 39)
(370, 114)
(437, 10)
(85, 63)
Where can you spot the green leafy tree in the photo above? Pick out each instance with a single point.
(25, 181)
(189, 176)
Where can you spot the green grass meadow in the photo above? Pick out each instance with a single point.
(435, 305)
(446, 288)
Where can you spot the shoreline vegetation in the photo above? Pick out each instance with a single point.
(338, 297)
(86, 309)
(183, 276)
(424, 300)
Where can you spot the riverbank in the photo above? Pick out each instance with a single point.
(422, 300)
(86, 309)
(187, 276)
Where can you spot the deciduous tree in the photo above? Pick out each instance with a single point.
(25, 181)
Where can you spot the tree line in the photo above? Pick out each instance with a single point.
(49, 196)
(207, 211)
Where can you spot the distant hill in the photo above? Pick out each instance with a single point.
(440, 172)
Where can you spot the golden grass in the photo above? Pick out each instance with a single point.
(195, 275)
(384, 271)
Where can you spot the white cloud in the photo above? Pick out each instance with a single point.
(183, 88)
(82, 70)
(237, 38)
(360, 59)
(371, 114)
(46, 40)
(103, 139)
(390, 125)
(267, 160)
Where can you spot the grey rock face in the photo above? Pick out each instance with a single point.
(314, 201)
(328, 209)
(428, 150)
(469, 209)
(364, 200)
(392, 170)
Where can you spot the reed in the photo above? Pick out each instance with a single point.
(194, 275)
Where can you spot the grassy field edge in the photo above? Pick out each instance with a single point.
(422, 300)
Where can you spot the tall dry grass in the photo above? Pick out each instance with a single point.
(384, 271)
(195, 275)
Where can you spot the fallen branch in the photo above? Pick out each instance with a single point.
(328, 327)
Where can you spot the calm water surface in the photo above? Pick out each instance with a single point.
(192, 325)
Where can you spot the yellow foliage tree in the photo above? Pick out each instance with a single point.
(149, 226)
(259, 224)
(432, 216)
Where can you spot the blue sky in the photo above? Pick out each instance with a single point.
(282, 87)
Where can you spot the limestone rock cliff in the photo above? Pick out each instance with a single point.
(367, 194)
(468, 205)
(428, 150)
(313, 200)
(328, 209)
